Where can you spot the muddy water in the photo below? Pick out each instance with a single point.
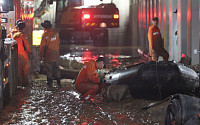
(115, 56)
(36, 104)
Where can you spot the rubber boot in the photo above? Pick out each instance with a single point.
(50, 82)
(58, 82)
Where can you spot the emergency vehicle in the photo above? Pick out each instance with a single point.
(8, 61)
(87, 25)
(77, 22)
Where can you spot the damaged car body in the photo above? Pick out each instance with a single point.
(156, 80)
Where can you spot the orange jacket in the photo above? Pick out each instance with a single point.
(155, 39)
(49, 46)
(13, 31)
(88, 73)
(23, 44)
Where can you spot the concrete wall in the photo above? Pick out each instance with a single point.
(185, 22)
(194, 30)
(121, 35)
(50, 14)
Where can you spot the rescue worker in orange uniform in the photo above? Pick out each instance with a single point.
(156, 48)
(88, 83)
(49, 53)
(14, 30)
(24, 52)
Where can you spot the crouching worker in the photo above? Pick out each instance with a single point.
(49, 53)
(87, 83)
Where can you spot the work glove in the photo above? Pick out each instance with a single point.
(41, 66)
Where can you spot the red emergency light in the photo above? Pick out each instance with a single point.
(116, 16)
(86, 16)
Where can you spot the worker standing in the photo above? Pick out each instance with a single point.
(24, 53)
(156, 48)
(14, 30)
(49, 53)
(88, 83)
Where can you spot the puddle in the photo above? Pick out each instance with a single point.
(37, 105)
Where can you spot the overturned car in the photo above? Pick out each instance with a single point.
(156, 79)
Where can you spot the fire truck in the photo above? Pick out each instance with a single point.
(88, 25)
(8, 61)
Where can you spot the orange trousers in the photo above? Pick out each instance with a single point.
(161, 52)
(23, 69)
(88, 90)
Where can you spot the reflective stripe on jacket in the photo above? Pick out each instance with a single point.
(155, 39)
(88, 73)
(49, 47)
(23, 44)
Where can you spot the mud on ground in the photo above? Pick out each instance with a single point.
(36, 104)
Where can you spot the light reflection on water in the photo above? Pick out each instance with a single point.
(112, 61)
(113, 55)
(38, 105)
(75, 94)
(62, 106)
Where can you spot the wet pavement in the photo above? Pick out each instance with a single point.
(36, 104)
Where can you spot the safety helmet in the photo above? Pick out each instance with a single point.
(19, 20)
(101, 59)
(46, 24)
(155, 18)
(21, 25)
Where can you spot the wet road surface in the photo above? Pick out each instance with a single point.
(36, 104)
